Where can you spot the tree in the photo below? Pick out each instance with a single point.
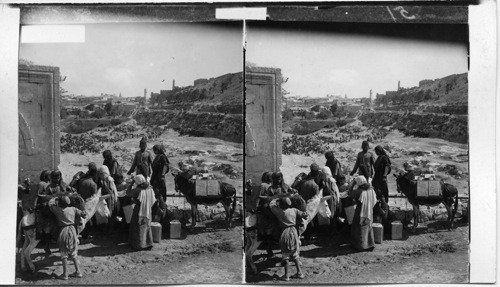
(63, 112)
(90, 107)
(287, 114)
(316, 108)
(324, 114)
(301, 113)
(83, 114)
(98, 113)
(309, 115)
(333, 109)
(107, 107)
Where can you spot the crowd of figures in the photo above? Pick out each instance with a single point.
(94, 143)
(146, 190)
(319, 144)
(367, 191)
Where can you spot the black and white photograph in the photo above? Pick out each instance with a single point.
(357, 155)
(248, 143)
(130, 154)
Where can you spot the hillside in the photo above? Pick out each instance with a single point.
(448, 90)
(199, 124)
(225, 89)
(452, 89)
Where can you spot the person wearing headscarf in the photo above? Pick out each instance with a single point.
(382, 168)
(142, 158)
(57, 185)
(361, 230)
(278, 185)
(330, 188)
(112, 164)
(289, 240)
(160, 167)
(107, 185)
(87, 186)
(140, 235)
(334, 165)
(309, 187)
(364, 162)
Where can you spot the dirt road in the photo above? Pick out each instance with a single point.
(209, 254)
(426, 256)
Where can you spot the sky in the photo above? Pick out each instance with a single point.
(127, 58)
(320, 62)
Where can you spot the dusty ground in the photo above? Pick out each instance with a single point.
(177, 147)
(437, 151)
(425, 256)
(431, 254)
(209, 254)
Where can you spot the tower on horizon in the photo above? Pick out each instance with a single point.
(399, 85)
(173, 84)
(371, 94)
(145, 95)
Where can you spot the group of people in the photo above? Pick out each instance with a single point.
(145, 189)
(316, 143)
(80, 144)
(367, 191)
(93, 143)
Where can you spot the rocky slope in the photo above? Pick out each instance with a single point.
(200, 124)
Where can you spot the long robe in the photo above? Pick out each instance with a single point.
(140, 234)
(379, 180)
(159, 169)
(362, 237)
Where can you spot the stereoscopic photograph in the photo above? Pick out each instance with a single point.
(356, 153)
(194, 144)
(131, 154)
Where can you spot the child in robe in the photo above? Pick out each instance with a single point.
(68, 238)
(289, 240)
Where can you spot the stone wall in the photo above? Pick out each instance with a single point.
(263, 122)
(39, 120)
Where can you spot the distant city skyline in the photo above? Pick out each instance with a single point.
(318, 63)
(127, 58)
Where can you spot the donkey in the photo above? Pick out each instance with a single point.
(252, 232)
(227, 196)
(407, 186)
(39, 222)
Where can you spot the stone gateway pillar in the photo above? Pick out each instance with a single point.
(39, 105)
(263, 122)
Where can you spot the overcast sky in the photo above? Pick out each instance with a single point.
(317, 63)
(128, 58)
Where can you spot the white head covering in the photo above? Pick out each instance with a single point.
(326, 170)
(138, 179)
(104, 170)
(359, 181)
(332, 184)
(368, 198)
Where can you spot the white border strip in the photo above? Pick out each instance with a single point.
(241, 13)
(9, 127)
(482, 96)
(53, 34)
